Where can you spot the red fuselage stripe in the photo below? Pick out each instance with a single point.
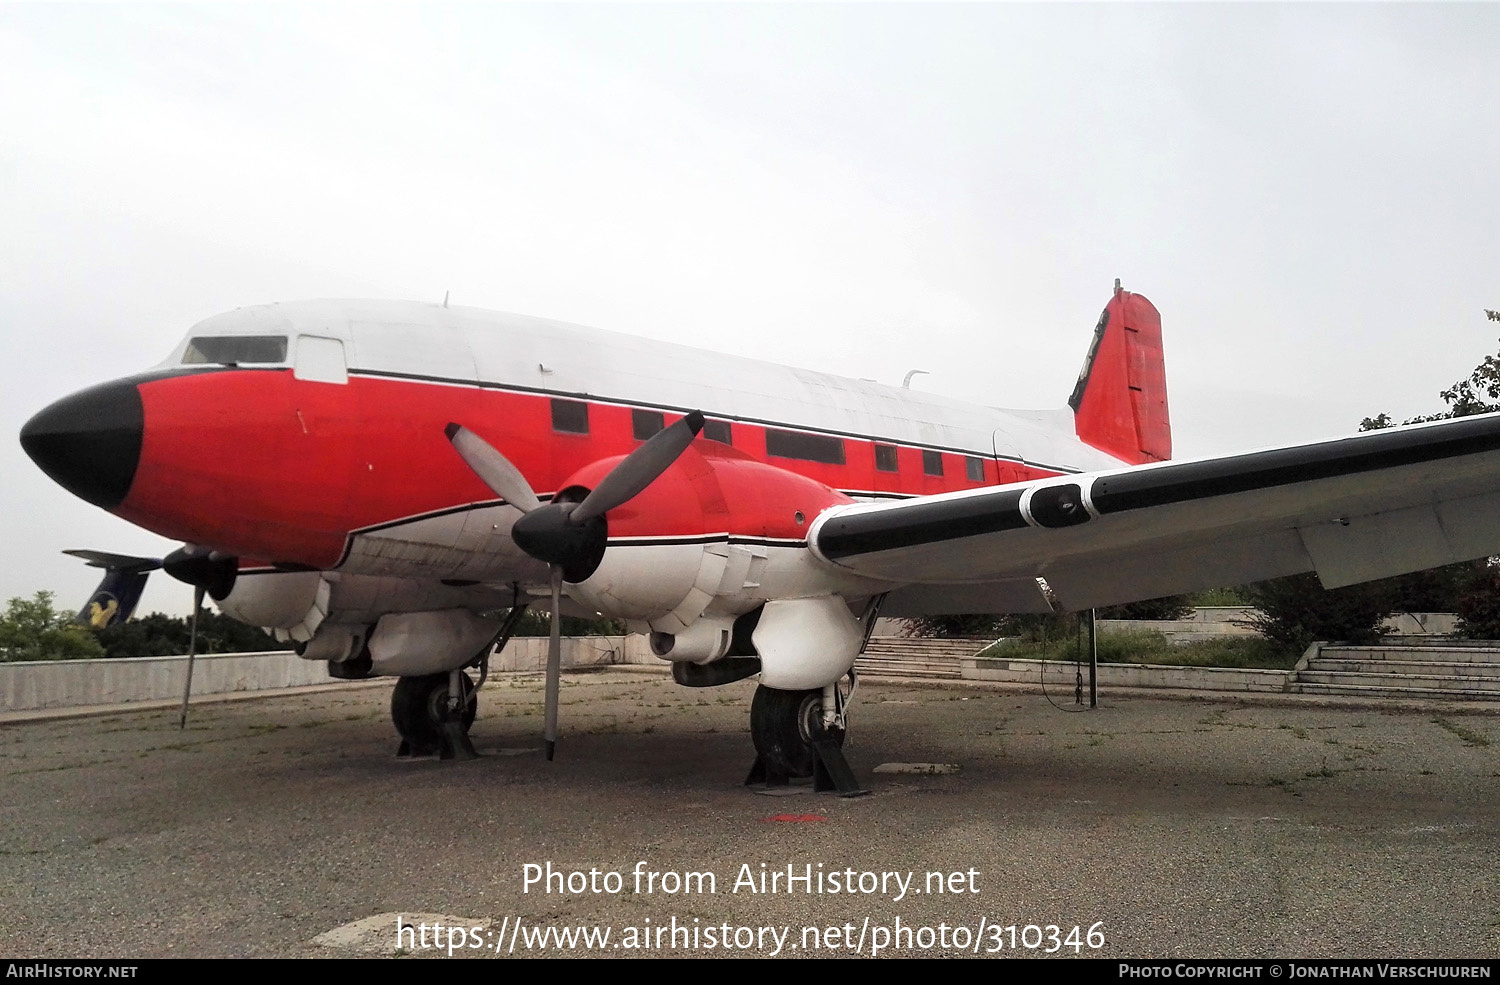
(258, 463)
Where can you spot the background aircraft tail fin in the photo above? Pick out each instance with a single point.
(120, 590)
(1120, 402)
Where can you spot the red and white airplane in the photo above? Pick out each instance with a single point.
(379, 483)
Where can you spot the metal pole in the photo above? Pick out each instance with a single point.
(1093, 660)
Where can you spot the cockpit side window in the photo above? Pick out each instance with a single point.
(320, 360)
(233, 350)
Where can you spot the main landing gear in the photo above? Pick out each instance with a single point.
(794, 738)
(433, 713)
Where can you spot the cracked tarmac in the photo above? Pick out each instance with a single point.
(1188, 828)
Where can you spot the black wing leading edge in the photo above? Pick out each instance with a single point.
(1352, 509)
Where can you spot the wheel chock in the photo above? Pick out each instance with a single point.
(831, 770)
(760, 773)
(456, 744)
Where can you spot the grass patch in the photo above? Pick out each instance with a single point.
(1470, 737)
(1146, 647)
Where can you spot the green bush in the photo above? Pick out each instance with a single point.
(954, 627)
(1219, 597)
(159, 635)
(1171, 607)
(1154, 648)
(1293, 612)
(31, 629)
(1478, 606)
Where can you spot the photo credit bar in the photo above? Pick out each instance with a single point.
(1302, 970)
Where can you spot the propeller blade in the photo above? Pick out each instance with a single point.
(187, 687)
(493, 468)
(554, 662)
(639, 469)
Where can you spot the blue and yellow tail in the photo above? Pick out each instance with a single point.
(119, 592)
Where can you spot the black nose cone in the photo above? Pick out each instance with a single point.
(90, 442)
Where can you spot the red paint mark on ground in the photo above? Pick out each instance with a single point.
(794, 818)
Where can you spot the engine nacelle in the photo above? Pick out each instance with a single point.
(705, 640)
(806, 643)
(291, 604)
(794, 644)
(667, 586)
(405, 644)
(717, 528)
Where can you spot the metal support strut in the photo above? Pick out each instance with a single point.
(823, 735)
(455, 738)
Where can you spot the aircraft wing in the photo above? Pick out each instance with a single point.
(1352, 509)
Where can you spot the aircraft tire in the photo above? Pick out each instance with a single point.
(782, 724)
(417, 708)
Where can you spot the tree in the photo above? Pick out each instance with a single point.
(955, 627)
(1295, 611)
(1478, 605)
(31, 629)
(1470, 588)
(1034, 626)
(1477, 393)
(1434, 590)
(159, 635)
(535, 623)
(162, 635)
(1171, 607)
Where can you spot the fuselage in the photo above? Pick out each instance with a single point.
(311, 434)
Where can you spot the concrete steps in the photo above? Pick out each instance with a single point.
(1432, 671)
(896, 656)
(1452, 671)
(1377, 679)
(1418, 668)
(1394, 691)
(1481, 653)
(930, 670)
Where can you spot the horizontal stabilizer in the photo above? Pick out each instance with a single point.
(118, 562)
(119, 591)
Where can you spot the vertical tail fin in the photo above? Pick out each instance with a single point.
(116, 597)
(1120, 402)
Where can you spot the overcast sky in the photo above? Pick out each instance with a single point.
(1308, 193)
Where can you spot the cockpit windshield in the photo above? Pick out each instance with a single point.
(232, 350)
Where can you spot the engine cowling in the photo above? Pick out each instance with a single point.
(413, 643)
(290, 604)
(711, 533)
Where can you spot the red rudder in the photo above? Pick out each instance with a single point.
(1120, 402)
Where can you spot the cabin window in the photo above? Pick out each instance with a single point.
(885, 458)
(807, 447)
(232, 350)
(975, 467)
(570, 416)
(645, 423)
(718, 431)
(932, 462)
